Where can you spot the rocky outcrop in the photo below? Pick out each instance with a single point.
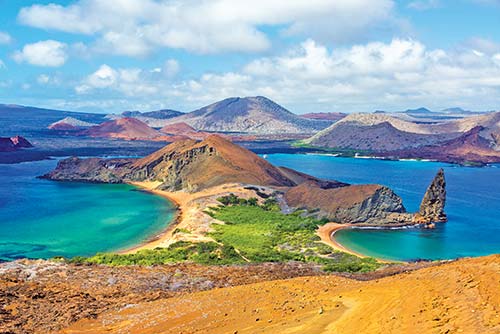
(9, 144)
(90, 170)
(433, 203)
(369, 204)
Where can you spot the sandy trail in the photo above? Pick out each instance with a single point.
(457, 297)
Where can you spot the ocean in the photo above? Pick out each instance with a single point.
(472, 205)
(42, 218)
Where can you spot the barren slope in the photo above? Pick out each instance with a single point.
(257, 115)
(458, 297)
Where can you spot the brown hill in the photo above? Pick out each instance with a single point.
(194, 165)
(123, 128)
(456, 297)
(179, 131)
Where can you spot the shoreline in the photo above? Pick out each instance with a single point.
(187, 206)
(327, 235)
(190, 217)
(152, 241)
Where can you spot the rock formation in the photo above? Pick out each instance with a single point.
(9, 144)
(370, 204)
(432, 206)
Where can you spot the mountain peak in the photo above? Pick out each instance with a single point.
(254, 114)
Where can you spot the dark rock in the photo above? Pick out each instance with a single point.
(432, 206)
(13, 143)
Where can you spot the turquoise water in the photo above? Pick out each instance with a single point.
(42, 219)
(472, 205)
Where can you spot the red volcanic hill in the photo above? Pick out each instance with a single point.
(178, 129)
(192, 165)
(13, 143)
(123, 128)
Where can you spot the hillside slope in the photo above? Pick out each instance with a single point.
(457, 297)
(123, 128)
(257, 115)
(402, 137)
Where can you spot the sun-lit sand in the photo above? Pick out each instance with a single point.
(191, 222)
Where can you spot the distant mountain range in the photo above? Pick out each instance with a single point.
(426, 111)
(388, 135)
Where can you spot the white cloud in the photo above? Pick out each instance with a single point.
(43, 79)
(171, 68)
(5, 38)
(130, 82)
(136, 27)
(48, 53)
(312, 77)
(424, 4)
(2, 64)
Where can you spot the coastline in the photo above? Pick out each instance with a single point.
(190, 223)
(190, 217)
(327, 235)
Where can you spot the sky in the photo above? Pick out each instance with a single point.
(307, 55)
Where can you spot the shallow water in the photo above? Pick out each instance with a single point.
(472, 205)
(42, 219)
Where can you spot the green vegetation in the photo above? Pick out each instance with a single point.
(203, 253)
(251, 233)
(267, 235)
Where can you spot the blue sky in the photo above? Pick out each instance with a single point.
(308, 55)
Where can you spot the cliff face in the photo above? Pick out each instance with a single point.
(432, 206)
(90, 170)
(372, 204)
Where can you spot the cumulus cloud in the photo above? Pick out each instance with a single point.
(136, 27)
(47, 53)
(314, 77)
(5, 38)
(131, 82)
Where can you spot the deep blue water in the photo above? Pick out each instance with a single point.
(472, 205)
(42, 219)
